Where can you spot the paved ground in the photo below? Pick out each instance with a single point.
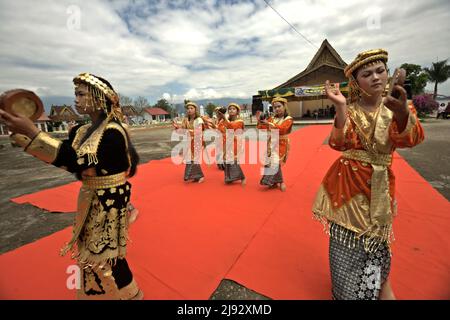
(21, 174)
(432, 158)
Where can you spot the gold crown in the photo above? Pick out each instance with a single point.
(364, 58)
(100, 91)
(234, 105)
(191, 104)
(279, 99)
(97, 83)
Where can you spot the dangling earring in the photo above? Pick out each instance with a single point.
(354, 90)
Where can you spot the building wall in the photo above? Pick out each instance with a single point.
(40, 125)
(158, 118)
(3, 130)
(315, 105)
(297, 107)
(134, 119)
(148, 117)
(294, 108)
(64, 126)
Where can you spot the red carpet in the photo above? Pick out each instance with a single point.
(191, 236)
(288, 259)
(63, 198)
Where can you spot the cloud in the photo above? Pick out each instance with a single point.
(204, 49)
(40, 52)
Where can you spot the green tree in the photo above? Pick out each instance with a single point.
(210, 109)
(417, 76)
(165, 105)
(438, 73)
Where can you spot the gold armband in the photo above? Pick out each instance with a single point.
(44, 147)
(20, 140)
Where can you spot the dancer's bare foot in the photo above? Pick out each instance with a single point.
(139, 296)
(132, 214)
(386, 292)
(282, 187)
(201, 180)
(243, 182)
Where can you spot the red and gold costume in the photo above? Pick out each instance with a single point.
(358, 191)
(356, 200)
(225, 124)
(195, 127)
(284, 127)
(231, 167)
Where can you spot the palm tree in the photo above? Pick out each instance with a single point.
(438, 73)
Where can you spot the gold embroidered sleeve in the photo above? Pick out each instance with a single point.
(262, 125)
(411, 136)
(44, 147)
(237, 124)
(20, 140)
(337, 139)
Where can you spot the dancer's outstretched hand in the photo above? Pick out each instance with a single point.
(19, 124)
(335, 95)
(398, 106)
(175, 125)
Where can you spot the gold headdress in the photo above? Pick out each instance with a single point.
(100, 91)
(363, 59)
(280, 99)
(284, 102)
(190, 103)
(238, 107)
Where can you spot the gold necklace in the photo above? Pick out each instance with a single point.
(366, 128)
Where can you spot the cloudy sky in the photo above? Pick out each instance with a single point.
(205, 49)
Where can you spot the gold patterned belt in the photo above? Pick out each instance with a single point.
(364, 156)
(105, 182)
(380, 199)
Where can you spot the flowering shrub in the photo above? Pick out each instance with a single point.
(424, 104)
